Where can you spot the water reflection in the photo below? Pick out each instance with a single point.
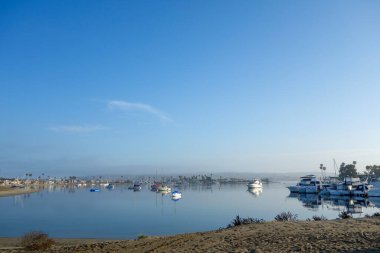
(310, 201)
(350, 204)
(255, 191)
(73, 211)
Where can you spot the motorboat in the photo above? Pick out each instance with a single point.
(176, 195)
(256, 183)
(136, 187)
(164, 188)
(94, 190)
(307, 184)
(350, 187)
(154, 187)
(105, 184)
(110, 186)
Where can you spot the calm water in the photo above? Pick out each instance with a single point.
(122, 213)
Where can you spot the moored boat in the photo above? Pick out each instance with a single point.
(136, 187)
(104, 184)
(256, 183)
(176, 195)
(307, 184)
(154, 187)
(164, 188)
(110, 186)
(350, 187)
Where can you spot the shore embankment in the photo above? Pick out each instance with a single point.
(348, 235)
(9, 191)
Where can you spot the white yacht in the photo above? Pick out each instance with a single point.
(307, 184)
(176, 195)
(350, 187)
(256, 183)
(164, 188)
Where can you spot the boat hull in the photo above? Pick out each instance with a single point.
(309, 189)
(347, 192)
(294, 189)
(177, 195)
(255, 186)
(164, 189)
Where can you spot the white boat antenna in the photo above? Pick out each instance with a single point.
(335, 166)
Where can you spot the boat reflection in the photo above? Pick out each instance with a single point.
(255, 191)
(310, 201)
(350, 204)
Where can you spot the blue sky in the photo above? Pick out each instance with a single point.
(187, 86)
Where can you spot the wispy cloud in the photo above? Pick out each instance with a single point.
(76, 129)
(127, 106)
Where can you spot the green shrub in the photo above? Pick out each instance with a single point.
(141, 236)
(345, 215)
(243, 221)
(319, 218)
(286, 216)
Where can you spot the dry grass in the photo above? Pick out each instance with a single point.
(340, 235)
(36, 240)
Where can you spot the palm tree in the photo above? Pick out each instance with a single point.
(321, 168)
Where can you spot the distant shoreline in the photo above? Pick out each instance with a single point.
(361, 234)
(8, 191)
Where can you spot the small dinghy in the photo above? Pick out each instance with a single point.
(94, 190)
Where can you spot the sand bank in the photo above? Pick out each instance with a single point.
(350, 235)
(8, 191)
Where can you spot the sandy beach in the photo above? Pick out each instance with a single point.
(8, 191)
(349, 235)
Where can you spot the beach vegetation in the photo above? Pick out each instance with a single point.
(344, 215)
(243, 221)
(36, 241)
(286, 216)
(373, 171)
(317, 218)
(141, 236)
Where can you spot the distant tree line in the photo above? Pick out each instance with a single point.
(349, 170)
(373, 170)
